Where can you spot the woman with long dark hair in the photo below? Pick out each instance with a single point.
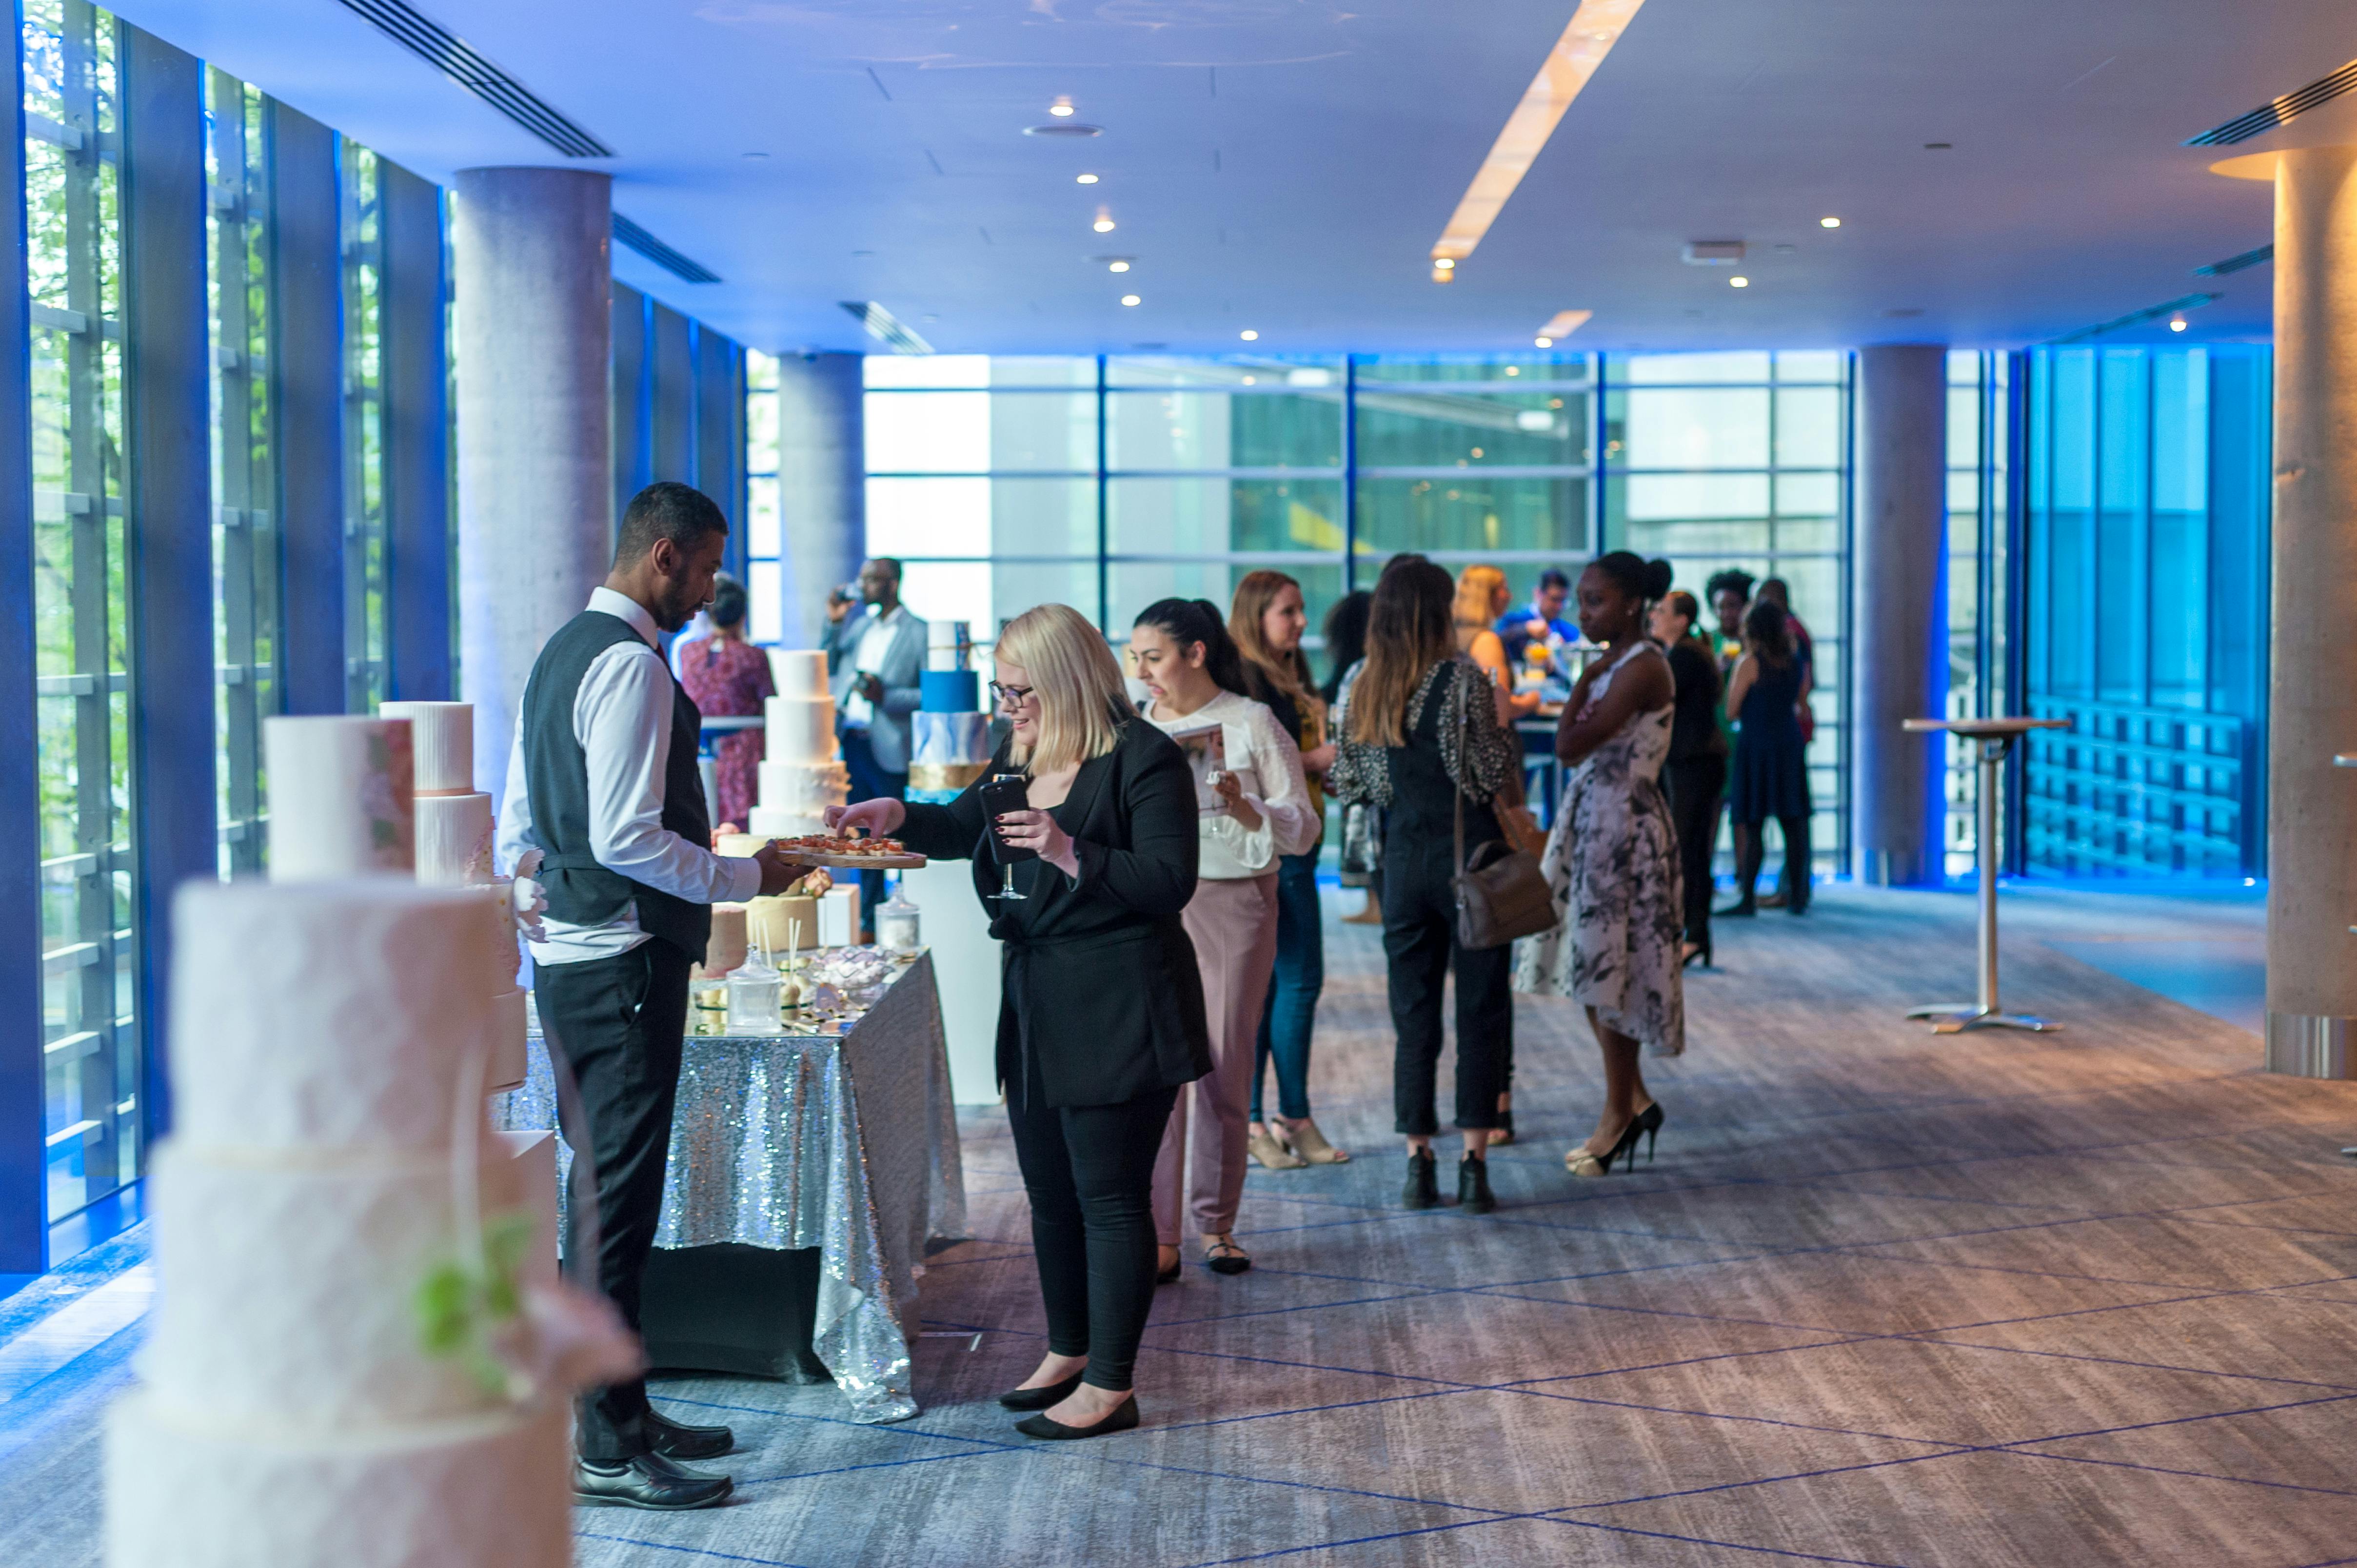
(1100, 1012)
(1266, 619)
(1420, 736)
(1771, 764)
(1613, 859)
(1182, 649)
(1695, 777)
(1361, 846)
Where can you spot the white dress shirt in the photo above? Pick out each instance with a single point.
(875, 646)
(622, 716)
(1267, 762)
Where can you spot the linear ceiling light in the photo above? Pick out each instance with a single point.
(885, 327)
(1564, 323)
(2138, 317)
(1595, 27)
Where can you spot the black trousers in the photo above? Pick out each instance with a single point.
(1751, 852)
(1695, 786)
(619, 1023)
(1089, 1172)
(1420, 941)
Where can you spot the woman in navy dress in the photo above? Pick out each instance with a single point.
(1771, 765)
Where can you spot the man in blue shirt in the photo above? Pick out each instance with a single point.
(1539, 619)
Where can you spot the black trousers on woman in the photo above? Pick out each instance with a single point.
(1089, 1172)
(1420, 941)
(1695, 785)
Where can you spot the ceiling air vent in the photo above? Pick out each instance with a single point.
(628, 233)
(2268, 116)
(885, 327)
(2236, 263)
(434, 44)
(1712, 252)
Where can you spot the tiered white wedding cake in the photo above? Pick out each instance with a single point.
(329, 1206)
(803, 774)
(454, 850)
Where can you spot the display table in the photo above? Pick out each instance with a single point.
(1996, 737)
(843, 1144)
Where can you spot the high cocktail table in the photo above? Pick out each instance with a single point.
(1996, 737)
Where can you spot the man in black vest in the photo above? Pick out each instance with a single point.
(603, 780)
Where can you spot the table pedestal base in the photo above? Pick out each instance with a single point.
(1955, 1017)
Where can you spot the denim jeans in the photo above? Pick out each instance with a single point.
(1299, 976)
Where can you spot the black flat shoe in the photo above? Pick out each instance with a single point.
(649, 1481)
(1168, 1276)
(1040, 1398)
(1123, 1417)
(1423, 1188)
(1224, 1257)
(673, 1440)
(1473, 1194)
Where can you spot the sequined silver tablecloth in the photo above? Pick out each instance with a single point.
(846, 1143)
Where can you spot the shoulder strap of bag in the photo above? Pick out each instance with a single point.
(1464, 740)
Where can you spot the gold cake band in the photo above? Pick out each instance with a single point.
(944, 775)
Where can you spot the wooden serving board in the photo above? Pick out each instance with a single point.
(856, 861)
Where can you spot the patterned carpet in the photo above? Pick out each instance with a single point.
(1886, 1299)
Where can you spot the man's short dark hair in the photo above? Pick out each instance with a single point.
(890, 564)
(1553, 577)
(1734, 579)
(666, 510)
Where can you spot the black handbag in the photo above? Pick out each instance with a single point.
(1502, 893)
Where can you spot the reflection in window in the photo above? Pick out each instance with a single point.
(245, 536)
(764, 581)
(74, 259)
(364, 540)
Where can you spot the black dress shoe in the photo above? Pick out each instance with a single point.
(648, 1481)
(1040, 1398)
(1422, 1189)
(1473, 1194)
(1123, 1417)
(674, 1441)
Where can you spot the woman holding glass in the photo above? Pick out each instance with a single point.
(1101, 1017)
(1182, 649)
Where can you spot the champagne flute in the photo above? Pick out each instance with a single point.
(1007, 792)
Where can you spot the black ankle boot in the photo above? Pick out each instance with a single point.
(1473, 1194)
(1423, 1190)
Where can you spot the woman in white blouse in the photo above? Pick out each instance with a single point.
(1181, 650)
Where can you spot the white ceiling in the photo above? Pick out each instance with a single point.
(1285, 165)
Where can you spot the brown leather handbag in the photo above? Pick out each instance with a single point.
(1501, 892)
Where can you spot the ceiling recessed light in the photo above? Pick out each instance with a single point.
(1129, 299)
(1251, 380)
(1116, 266)
(1061, 108)
(1738, 281)
(1442, 264)
(1084, 179)
(1544, 342)
(1103, 225)
(2177, 324)
(1249, 336)
(1828, 223)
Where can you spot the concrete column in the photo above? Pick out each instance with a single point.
(1899, 621)
(535, 485)
(822, 483)
(2312, 705)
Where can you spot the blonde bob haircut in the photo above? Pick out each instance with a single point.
(1083, 703)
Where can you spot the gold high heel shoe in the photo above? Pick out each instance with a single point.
(1310, 1145)
(1268, 1147)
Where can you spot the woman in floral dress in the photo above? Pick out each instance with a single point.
(729, 677)
(1613, 860)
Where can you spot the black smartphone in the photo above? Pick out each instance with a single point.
(1007, 792)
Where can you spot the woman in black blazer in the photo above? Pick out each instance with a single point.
(1100, 1019)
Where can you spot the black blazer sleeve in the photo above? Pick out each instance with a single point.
(946, 832)
(1155, 875)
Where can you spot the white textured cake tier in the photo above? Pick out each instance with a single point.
(799, 671)
(454, 839)
(442, 740)
(803, 788)
(327, 1014)
(770, 822)
(340, 792)
(190, 1490)
(287, 1286)
(800, 730)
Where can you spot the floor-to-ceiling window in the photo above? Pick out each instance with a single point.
(2147, 617)
(245, 547)
(365, 588)
(1740, 460)
(765, 538)
(1978, 498)
(73, 194)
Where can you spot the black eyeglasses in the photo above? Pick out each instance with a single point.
(1010, 697)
